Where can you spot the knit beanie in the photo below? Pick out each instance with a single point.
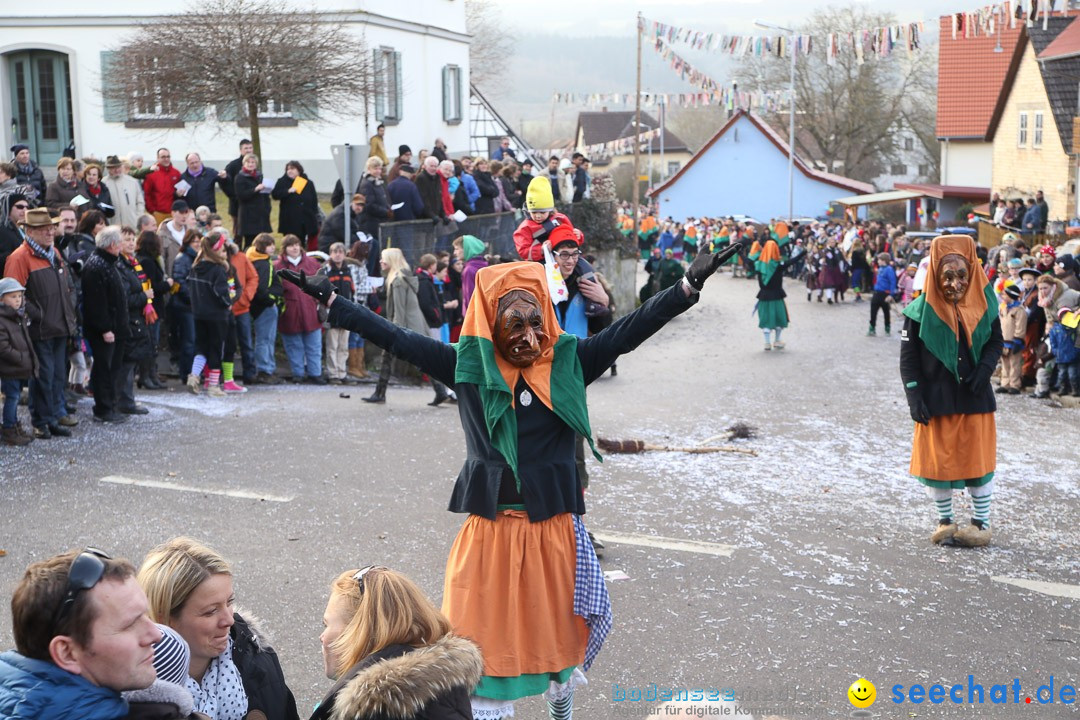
(171, 656)
(538, 197)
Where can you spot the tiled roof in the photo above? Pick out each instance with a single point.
(1064, 45)
(602, 127)
(970, 76)
(831, 178)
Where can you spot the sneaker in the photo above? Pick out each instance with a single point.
(233, 388)
(42, 432)
(12, 436)
(194, 384)
(768, 347)
(68, 421)
(946, 529)
(976, 534)
(888, 332)
(215, 391)
(59, 431)
(871, 332)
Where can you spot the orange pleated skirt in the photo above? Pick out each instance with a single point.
(955, 447)
(510, 589)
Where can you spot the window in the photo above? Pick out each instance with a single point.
(1036, 141)
(924, 170)
(387, 86)
(1021, 132)
(909, 143)
(149, 101)
(275, 109)
(898, 169)
(451, 94)
(673, 167)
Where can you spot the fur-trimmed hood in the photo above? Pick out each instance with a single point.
(400, 685)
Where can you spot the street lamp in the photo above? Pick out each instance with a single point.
(791, 129)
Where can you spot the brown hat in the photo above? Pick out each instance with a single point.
(113, 161)
(39, 217)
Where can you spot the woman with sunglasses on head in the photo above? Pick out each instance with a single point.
(234, 673)
(392, 654)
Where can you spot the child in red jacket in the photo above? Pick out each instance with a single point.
(542, 218)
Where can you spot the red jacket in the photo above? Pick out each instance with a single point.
(159, 187)
(249, 282)
(530, 236)
(447, 201)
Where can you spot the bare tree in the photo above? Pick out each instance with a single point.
(847, 112)
(492, 45)
(247, 56)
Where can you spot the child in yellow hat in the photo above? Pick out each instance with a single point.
(541, 218)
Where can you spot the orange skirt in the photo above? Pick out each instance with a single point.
(955, 447)
(510, 589)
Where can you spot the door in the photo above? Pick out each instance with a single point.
(40, 103)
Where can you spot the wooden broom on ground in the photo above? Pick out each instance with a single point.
(632, 447)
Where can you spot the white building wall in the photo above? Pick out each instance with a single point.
(968, 163)
(428, 33)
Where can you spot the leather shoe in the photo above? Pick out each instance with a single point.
(112, 418)
(59, 431)
(68, 421)
(135, 410)
(317, 380)
(42, 433)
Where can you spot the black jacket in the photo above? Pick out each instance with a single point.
(105, 302)
(231, 171)
(261, 673)
(33, 176)
(269, 290)
(17, 357)
(549, 481)
(137, 346)
(182, 277)
(298, 212)
(10, 240)
(156, 275)
(522, 186)
(208, 286)
(252, 207)
(333, 230)
(377, 208)
(406, 683)
(485, 204)
(203, 190)
(96, 201)
(774, 289)
(940, 391)
(404, 190)
(430, 188)
(428, 297)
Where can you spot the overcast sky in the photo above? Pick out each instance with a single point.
(616, 17)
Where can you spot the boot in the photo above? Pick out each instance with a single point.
(355, 365)
(441, 395)
(12, 436)
(946, 529)
(379, 396)
(974, 535)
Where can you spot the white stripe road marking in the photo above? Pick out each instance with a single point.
(663, 543)
(159, 485)
(1046, 588)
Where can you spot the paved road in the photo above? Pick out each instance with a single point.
(809, 565)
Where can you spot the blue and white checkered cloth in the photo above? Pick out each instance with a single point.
(591, 600)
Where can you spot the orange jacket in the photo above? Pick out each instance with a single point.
(249, 282)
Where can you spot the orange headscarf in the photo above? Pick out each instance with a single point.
(971, 308)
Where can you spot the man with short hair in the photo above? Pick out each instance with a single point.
(105, 323)
(231, 171)
(553, 176)
(439, 151)
(203, 181)
(1044, 211)
(504, 151)
(523, 181)
(377, 144)
(126, 193)
(13, 207)
(404, 191)
(172, 233)
(83, 635)
(50, 306)
(159, 187)
(429, 185)
(580, 179)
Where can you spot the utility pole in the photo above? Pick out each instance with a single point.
(637, 132)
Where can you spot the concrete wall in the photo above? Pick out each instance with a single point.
(967, 163)
(744, 173)
(428, 33)
(620, 273)
(1020, 171)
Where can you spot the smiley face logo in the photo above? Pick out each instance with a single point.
(862, 693)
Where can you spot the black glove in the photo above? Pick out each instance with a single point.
(979, 380)
(705, 265)
(917, 406)
(319, 288)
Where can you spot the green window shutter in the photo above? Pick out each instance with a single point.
(397, 80)
(197, 114)
(379, 72)
(309, 109)
(446, 90)
(115, 109)
(228, 112)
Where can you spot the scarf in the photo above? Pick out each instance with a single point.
(766, 258)
(940, 322)
(94, 190)
(221, 694)
(251, 173)
(294, 261)
(555, 378)
(41, 252)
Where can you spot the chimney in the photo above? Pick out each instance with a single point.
(603, 109)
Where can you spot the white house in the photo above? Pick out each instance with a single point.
(743, 170)
(51, 55)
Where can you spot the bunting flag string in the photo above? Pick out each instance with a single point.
(728, 98)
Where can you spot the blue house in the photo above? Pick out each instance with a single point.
(743, 170)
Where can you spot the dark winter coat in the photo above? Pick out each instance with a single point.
(161, 701)
(406, 683)
(137, 346)
(428, 297)
(430, 188)
(59, 194)
(231, 171)
(10, 235)
(208, 286)
(549, 481)
(32, 175)
(298, 213)
(18, 361)
(269, 289)
(156, 275)
(301, 313)
(105, 301)
(939, 389)
(485, 204)
(50, 292)
(377, 207)
(181, 276)
(774, 289)
(333, 230)
(403, 190)
(203, 190)
(261, 673)
(253, 208)
(96, 201)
